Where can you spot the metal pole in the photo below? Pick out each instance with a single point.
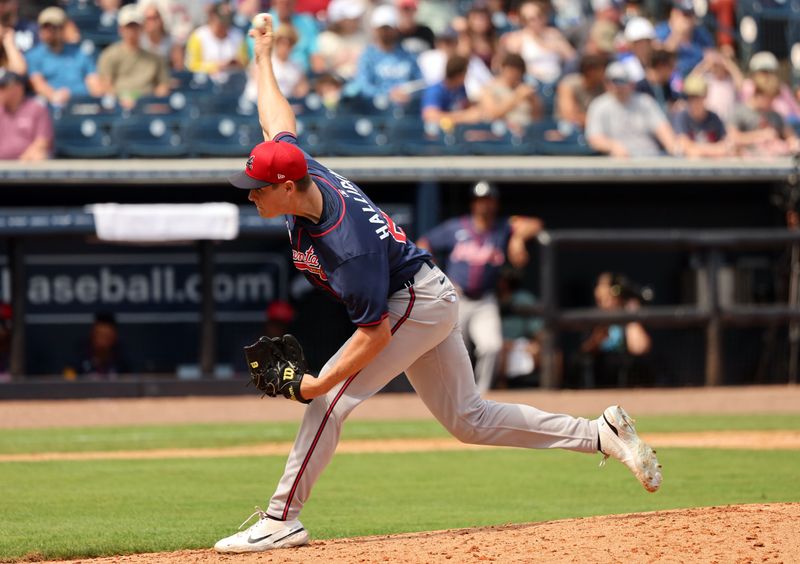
(427, 206)
(208, 338)
(794, 300)
(17, 266)
(551, 378)
(714, 328)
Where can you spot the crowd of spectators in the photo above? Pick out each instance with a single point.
(640, 78)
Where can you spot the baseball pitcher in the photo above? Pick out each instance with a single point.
(405, 311)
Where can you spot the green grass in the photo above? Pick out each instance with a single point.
(141, 437)
(81, 509)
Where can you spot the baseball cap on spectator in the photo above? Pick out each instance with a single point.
(485, 189)
(763, 61)
(618, 73)
(602, 5)
(412, 4)
(339, 10)
(685, 6)
(52, 16)
(129, 14)
(280, 311)
(6, 316)
(447, 34)
(384, 16)
(479, 6)
(695, 85)
(7, 77)
(271, 162)
(604, 34)
(639, 28)
(288, 32)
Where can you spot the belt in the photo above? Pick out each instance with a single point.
(410, 282)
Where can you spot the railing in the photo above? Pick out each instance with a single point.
(714, 316)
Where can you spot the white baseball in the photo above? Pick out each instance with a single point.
(260, 22)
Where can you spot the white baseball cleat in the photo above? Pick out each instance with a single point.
(618, 438)
(266, 534)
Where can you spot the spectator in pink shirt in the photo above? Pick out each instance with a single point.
(765, 64)
(26, 126)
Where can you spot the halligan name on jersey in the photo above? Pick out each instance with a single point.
(387, 228)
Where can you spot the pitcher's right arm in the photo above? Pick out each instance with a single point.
(274, 112)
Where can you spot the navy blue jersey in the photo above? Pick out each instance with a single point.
(473, 258)
(355, 251)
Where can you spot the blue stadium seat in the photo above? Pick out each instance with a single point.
(547, 93)
(176, 104)
(151, 137)
(412, 109)
(183, 81)
(359, 136)
(102, 110)
(309, 135)
(310, 105)
(550, 137)
(84, 137)
(100, 39)
(225, 105)
(230, 83)
(223, 136)
(489, 139)
(411, 137)
(364, 106)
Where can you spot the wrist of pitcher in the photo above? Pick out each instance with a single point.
(312, 387)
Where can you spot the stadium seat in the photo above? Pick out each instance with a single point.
(357, 136)
(309, 136)
(103, 110)
(176, 104)
(310, 105)
(183, 81)
(411, 137)
(230, 83)
(364, 106)
(84, 138)
(151, 136)
(489, 139)
(412, 109)
(547, 93)
(550, 137)
(225, 105)
(223, 136)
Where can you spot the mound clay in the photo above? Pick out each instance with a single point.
(743, 533)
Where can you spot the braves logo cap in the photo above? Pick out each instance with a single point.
(271, 162)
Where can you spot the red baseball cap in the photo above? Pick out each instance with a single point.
(271, 162)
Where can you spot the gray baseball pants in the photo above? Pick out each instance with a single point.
(480, 324)
(428, 346)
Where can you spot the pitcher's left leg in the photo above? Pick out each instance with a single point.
(443, 379)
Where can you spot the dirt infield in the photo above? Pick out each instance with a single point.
(82, 413)
(742, 533)
(748, 533)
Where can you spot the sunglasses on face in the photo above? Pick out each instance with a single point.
(51, 26)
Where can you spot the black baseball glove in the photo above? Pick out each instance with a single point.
(277, 366)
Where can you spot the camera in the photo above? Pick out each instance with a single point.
(627, 289)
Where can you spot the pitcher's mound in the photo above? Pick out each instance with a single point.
(737, 533)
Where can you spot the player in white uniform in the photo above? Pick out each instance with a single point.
(406, 312)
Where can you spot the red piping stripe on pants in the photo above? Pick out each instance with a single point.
(411, 300)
